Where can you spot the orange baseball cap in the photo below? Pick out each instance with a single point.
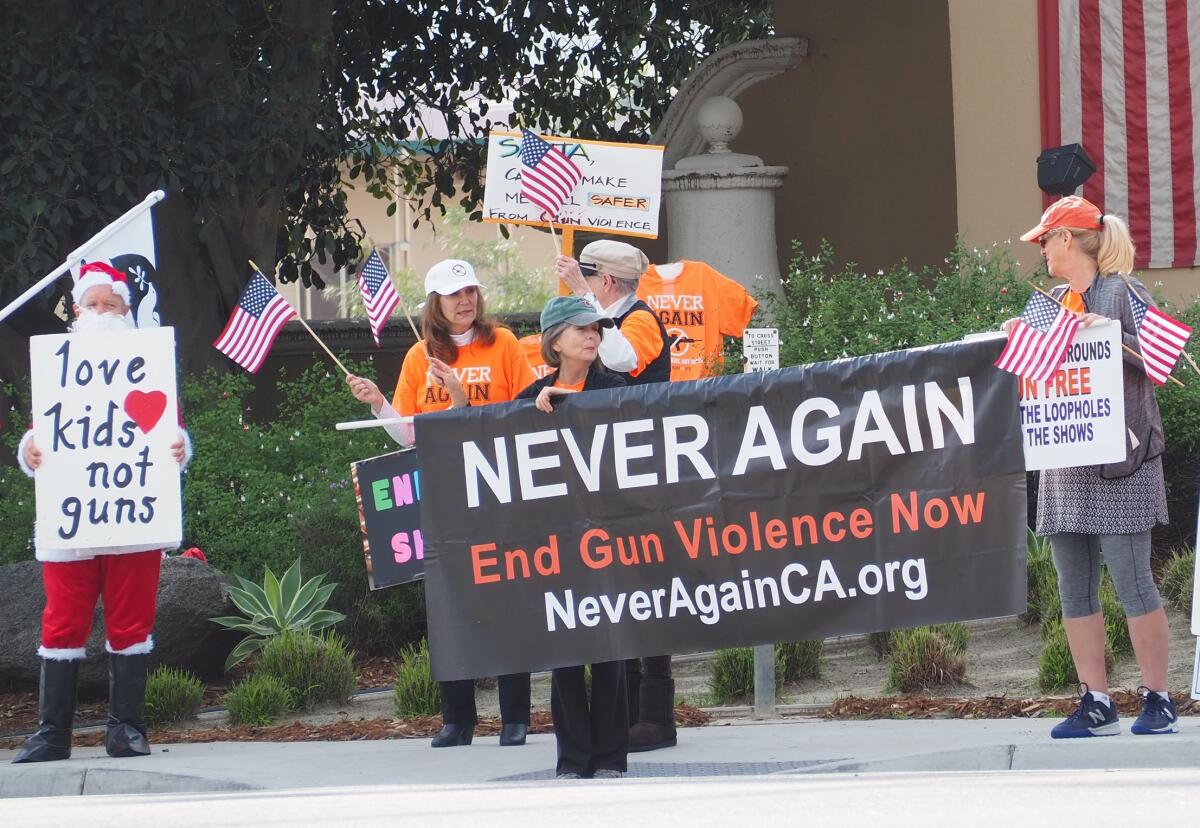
(1070, 212)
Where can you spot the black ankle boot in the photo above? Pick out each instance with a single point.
(56, 714)
(126, 734)
(454, 735)
(513, 734)
(657, 726)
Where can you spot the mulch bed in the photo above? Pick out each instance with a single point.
(1128, 702)
(344, 731)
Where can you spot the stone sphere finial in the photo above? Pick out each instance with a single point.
(719, 120)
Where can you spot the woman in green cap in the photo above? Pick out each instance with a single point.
(593, 740)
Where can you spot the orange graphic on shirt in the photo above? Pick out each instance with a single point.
(532, 345)
(699, 307)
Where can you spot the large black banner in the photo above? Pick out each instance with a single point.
(843, 497)
(388, 491)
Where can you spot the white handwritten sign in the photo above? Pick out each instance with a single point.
(1077, 417)
(105, 415)
(619, 195)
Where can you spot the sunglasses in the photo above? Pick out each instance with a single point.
(1045, 239)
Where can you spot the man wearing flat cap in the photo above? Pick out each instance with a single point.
(638, 348)
(606, 276)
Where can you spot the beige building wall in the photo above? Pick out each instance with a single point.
(414, 248)
(865, 125)
(997, 132)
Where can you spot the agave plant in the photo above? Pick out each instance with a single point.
(287, 603)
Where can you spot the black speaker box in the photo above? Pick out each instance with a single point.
(1061, 170)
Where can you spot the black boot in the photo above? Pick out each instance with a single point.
(127, 706)
(453, 735)
(56, 714)
(513, 734)
(657, 726)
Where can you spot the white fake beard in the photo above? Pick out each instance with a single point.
(90, 321)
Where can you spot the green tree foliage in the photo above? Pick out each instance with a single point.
(257, 117)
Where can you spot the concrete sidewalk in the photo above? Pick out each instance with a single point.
(778, 748)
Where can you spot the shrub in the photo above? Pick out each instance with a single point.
(798, 660)
(258, 700)
(315, 668)
(925, 657)
(1056, 668)
(415, 692)
(172, 695)
(1044, 602)
(1177, 577)
(279, 605)
(731, 674)
(956, 634)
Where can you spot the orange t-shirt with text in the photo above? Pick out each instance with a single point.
(532, 345)
(701, 304)
(489, 373)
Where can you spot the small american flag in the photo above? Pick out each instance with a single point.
(548, 177)
(379, 294)
(255, 323)
(1038, 343)
(1160, 338)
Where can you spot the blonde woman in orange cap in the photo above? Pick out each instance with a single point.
(1106, 512)
(464, 358)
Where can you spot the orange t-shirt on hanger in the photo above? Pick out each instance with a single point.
(702, 305)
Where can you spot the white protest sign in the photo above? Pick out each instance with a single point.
(1077, 417)
(105, 415)
(619, 195)
(760, 349)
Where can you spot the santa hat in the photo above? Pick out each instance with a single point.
(92, 274)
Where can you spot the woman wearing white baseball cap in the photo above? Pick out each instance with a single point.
(464, 358)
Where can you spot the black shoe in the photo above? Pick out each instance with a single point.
(126, 734)
(513, 734)
(454, 735)
(56, 714)
(657, 727)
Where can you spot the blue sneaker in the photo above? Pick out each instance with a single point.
(1091, 718)
(1158, 715)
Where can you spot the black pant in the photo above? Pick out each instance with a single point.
(458, 700)
(651, 667)
(590, 739)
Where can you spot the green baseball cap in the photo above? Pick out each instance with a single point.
(571, 309)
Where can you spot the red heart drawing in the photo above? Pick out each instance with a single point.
(145, 408)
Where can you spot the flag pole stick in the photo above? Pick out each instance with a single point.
(403, 306)
(1123, 345)
(553, 238)
(311, 332)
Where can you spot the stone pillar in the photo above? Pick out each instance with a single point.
(721, 204)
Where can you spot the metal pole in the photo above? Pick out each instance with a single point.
(764, 680)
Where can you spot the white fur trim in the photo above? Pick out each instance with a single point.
(71, 654)
(134, 649)
(95, 278)
(187, 449)
(25, 440)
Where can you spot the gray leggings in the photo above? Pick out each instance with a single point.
(1077, 559)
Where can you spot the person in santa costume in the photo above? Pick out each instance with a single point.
(126, 576)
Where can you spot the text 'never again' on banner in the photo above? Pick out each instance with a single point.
(842, 497)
